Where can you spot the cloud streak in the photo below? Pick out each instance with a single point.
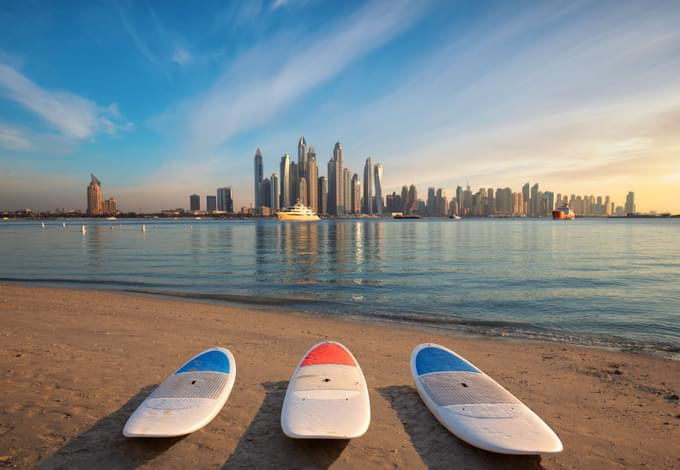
(72, 115)
(250, 93)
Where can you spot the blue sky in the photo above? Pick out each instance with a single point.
(163, 99)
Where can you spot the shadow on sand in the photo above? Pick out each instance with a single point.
(437, 447)
(263, 445)
(104, 446)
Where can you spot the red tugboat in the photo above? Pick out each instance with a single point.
(563, 213)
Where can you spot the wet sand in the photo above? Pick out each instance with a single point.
(74, 365)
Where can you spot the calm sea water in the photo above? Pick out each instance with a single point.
(606, 281)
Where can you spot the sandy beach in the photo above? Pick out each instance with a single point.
(74, 364)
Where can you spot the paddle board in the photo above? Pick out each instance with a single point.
(327, 397)
(188, 400)
(476, 408)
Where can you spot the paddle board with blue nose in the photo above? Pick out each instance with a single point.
(327, 397)
(188, 400)
(475, 408)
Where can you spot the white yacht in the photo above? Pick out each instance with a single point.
(298, 213)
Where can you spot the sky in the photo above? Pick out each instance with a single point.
(164, 99)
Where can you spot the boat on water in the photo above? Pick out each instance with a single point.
(298, 213)
(399, 215)
(563, 213)
(112, 218)
(454, 217)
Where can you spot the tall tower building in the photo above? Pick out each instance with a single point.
(356, 194)
(302, 190)
(210, 203)
(336, 196)
(302, 158)
(294, 175)
(312, 174)
(323, 195)
(368, 187)
(630, 203)
(194, 202)
(276, 193)
(285, 181)
(430, 201)
(266, 193)
(404, 199)
(95, 204)
(225, 199)
(533, 211)
(259, 175)
(525, 198)
(347, 190)
(377, 183)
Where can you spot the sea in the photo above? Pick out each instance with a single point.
(606, 282)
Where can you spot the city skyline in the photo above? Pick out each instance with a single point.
(439, 93)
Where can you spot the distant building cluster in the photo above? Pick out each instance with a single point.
(96, 204)
(222, 203)
(339, 193)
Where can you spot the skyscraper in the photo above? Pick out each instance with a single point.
(525, 198)
(312, 174)
(285, 181)
(194, 202)
(323, 195)
(347, 190)
(533, 203)
(302, 158)
(109, 207)
(412, 199)
(630, 203)
(294, 186)
(356, 194)
(259, 174)
(430, 201)
(336, 196)
(211, 203)
(95, 205)
(368, 187)
(377, 182)
(266, 193)
(276, 193)
(302, 190)
(225, 199)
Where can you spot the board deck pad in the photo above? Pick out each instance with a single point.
(327, 396)
(476, 408)
(187, 400)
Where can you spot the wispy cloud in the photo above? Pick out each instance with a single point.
(70, 114)
(182, 56)
(260, 85)
(13, 138)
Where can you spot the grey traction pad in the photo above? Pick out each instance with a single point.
(464, 388)
(192, 385)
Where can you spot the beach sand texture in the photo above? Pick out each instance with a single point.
(75, 364)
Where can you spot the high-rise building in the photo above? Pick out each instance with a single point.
(533, 202)
(302, 190)
(525, 198)
(412, 199)
(630, 203)
(347, 190)
(194, 202)
(285, 181)
(312, 174)
(259, 175)
(336, 196)
(459, 200)
(276, 193)
(302, 158)
(211, 203)
(294, 185)
(378, 183)
(266, 193)
(225, 199)
(109, 207)
(95, 204)
(356, 194)
(607, 206)
(323, 195)
(404, 199)
(430, 201)
(368, 187)
(549, 205)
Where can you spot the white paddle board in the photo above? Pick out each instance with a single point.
(327, 397)
(475, 408)
(188, 400)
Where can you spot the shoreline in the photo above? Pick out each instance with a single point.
(76, 363)
(504, 330)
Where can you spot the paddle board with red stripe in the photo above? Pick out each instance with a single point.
(327, 397)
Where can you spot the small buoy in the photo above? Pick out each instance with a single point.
(143, 227)
(43, 224)
(191, 227)
(83, 229)
(63, 224)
